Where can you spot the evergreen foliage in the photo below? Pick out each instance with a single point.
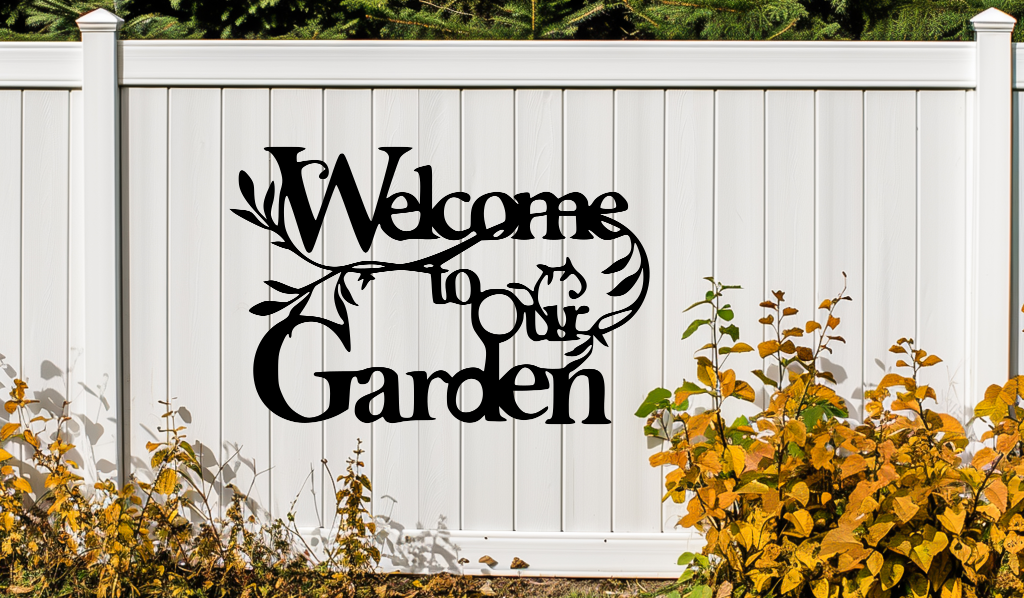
(511, 19)
(730, 20)
(516, 19)
(54, 20)
(878, 20)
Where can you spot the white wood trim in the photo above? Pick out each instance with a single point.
(557, 554)
(36, 65)
(223, 63)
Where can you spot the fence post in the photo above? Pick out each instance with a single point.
(102, 245)
(991, 226)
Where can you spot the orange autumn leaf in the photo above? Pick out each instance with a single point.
(996, 494)
(767, 348)
(8, 430)
(905, 508)
(22, 484)
(728, 381)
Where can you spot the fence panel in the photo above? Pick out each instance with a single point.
(764, 188)
(784, 168)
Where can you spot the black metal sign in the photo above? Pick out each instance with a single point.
(594, 220)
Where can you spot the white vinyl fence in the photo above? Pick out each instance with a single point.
(771, 165)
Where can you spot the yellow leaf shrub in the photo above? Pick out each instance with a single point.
(161, 538)
(800, 501)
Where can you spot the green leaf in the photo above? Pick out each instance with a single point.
(811, 415)
(702, 561)
(834, 411)
(740, 421)
(725, 314)
(765, 379)
(700, 591)
(655, 398)
(694, 325)
(690, 387)
(687, 575)
(652, 431)
(695, 305)
(731, 330)
(685, 559)
(795, 451)
(672, 594)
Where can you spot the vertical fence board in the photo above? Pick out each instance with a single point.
(739, 217)
(10, 244)
(439, 335)
(347, 130)
(538, 445)
(941, 245)
(44, 258)
(77, 281)
(395, 311)
(974, 432)
(890, 254)
(1017, 261)
(636, 349)
(194, 213)
(488, 162)
(840, 231)
(245, 255)
(689, 237)
(144, 195)
(588, 159)
(296, 119)
(789, 205)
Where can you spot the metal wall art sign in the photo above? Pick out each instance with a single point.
(593, 219)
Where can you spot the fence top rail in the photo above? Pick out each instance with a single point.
(1016, 64)
(28, 65)
(549, 64)
(566, 64)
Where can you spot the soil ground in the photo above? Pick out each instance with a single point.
(404, 586)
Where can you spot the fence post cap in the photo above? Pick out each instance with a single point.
(99, 20)
(993, 19)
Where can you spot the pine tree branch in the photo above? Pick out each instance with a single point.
(638, 13)
(451, 10)
(691, 5)
(596, 9)
(788, 27)
(413, 23)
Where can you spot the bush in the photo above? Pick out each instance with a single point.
(798, 501)
(161, 538)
